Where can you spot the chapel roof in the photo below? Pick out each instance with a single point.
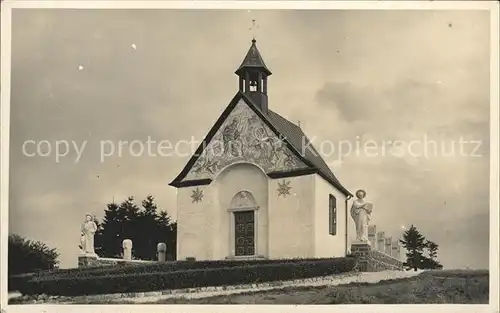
(294, 135)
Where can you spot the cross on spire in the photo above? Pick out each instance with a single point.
(253, 28)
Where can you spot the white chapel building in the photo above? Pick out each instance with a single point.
(250, 191)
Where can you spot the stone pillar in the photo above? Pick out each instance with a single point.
(361, 251)
(127, 249)
(381, 241)
(396, 249)
(388, 245)
(372, 231)
(161, 248)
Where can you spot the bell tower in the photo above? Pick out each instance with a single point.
(253, 75)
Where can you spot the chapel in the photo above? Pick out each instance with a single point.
(255, 188)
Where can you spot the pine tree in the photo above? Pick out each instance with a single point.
(432, 247)
(168, 234)
(109, 236)
(131, 227)
(414, 243)
(431, 262)
(148, 229)
(97, 237)
(146, 226)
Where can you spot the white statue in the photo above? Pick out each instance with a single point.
(360, 213)
(89, 228)
(162, 251)
(127, 249)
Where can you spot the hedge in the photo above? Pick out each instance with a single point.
(191, 278)
(160, 267)
(14, 282)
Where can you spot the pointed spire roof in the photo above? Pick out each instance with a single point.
(254, 60)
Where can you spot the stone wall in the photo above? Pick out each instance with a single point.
(113, 262)
(93, 260)
(370, 260)
(84, 261)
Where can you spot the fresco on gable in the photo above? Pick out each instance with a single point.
(244, 137)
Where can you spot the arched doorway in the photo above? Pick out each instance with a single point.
(244, 209)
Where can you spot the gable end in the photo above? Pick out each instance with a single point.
(301, 168)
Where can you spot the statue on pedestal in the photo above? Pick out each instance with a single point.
(360, 213)
(88, 230)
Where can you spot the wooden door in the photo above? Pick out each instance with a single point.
(244, 233)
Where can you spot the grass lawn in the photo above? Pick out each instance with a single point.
(457, 286)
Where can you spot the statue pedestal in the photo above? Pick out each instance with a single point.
(372, 260)
(361, 251)
(87, 260)
(360, 243)
(360, 247)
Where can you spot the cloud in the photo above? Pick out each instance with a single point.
(354, 103)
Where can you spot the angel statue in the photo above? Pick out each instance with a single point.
(360, 213)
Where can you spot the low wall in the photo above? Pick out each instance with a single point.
(374, 261)
(111, 262)
(84, 261)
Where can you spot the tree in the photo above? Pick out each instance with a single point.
(414, 243)
(108, 243)
(130, 228)
(27, 256)
(432, 247)
(146, 226)
(431, 264)
(147, 229)
(168, 231)
(431, 261)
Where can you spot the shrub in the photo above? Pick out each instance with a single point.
(26, 256)
(14, 281)
(160, 267)
(190, 278)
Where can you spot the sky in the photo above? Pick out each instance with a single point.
(356, 76)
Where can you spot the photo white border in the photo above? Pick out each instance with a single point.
(6, 13)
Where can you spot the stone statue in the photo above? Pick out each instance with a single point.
(127, 249)
(89, 228)
(360, 213)
(162, 251)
